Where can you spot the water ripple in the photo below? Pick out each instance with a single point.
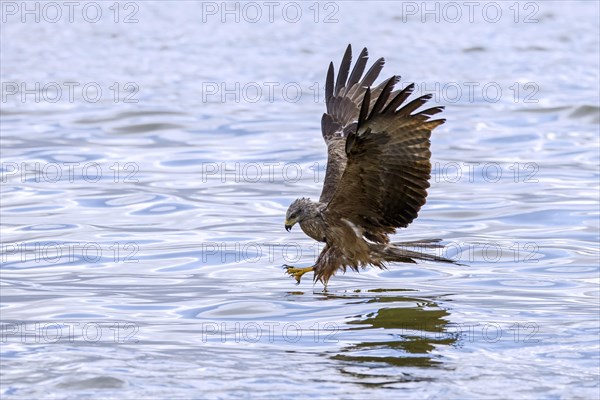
(143, 242)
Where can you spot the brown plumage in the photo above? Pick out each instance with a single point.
(378, 172)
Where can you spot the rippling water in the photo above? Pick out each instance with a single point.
(142, 219)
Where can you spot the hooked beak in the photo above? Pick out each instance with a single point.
(288, 225)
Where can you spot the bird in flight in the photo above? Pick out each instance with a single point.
(378, 172)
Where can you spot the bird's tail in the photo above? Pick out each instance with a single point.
(408, 252)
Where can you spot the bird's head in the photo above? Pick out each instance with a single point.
(298, 211)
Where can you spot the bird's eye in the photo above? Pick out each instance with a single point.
(293, 215)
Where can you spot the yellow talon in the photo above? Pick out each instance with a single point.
(297, 272)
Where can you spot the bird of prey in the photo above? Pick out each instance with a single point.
(377, 175)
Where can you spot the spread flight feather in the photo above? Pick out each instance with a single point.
(378, 170)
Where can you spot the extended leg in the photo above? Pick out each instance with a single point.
(297, 272)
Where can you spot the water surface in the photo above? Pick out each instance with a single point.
(142, 223)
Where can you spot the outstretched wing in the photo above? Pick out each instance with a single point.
(343, 106)
(386, 177)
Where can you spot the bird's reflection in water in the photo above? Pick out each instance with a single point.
(403, 332)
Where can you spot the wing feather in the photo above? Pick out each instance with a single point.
(384, 184)
(344, 70)
(329, 85)
(384, 95)
(357, 71)
(393, 153)
(400, 97)
(343, 99)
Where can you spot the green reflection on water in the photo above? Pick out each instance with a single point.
(414, 327)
